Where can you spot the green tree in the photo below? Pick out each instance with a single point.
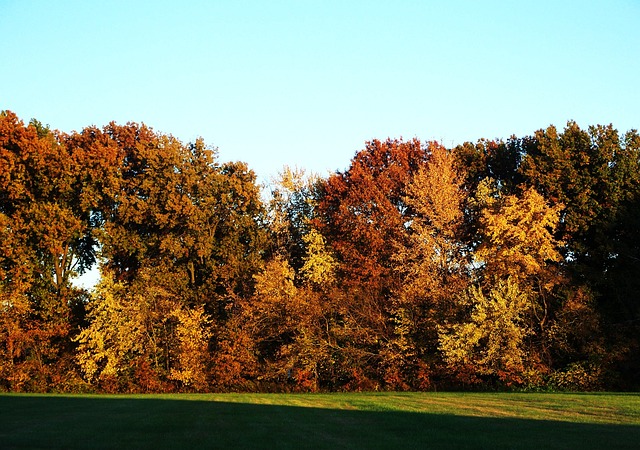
(493, 159)
(594, 173)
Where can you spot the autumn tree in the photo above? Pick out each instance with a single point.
(142, 334)
(290, 208)
(433, 267)
(498, 263)
(265, 325)
(319, 264)
(184, 232)
(46, 214)
(178, 206)
(46, 191)
(286, 334)
(114, 335)
(362, 213)
(491, 344)
(518, 240)
(594, 173)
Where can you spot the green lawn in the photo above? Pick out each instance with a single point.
(367, 420)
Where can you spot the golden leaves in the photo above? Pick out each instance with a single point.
(518, 236)
(192, 334)
(319, 264)
(115, 333)
(492, 340)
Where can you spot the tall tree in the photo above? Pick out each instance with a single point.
(433, 265)
(362, 211)
(177, 205)
(594, 173)
(577, 169)
(518, 242)
(46, 212)
(183, 235)
(363, 215)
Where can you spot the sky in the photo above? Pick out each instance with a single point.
(307, 83)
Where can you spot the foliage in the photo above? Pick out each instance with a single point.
(492, 341)
(492, 264)
(115, 334)
(518, 238)
(362, 211)
(192, 341)
(46, 237)
(432, 264)
(319, 264)
(291, 207)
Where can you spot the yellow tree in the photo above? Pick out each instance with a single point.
(191, 340)
(517, 233)
(319, 263)
(141, 335)
(502, 332)
(518, 239)
(492, 341)
(115, 335)
(432, 264)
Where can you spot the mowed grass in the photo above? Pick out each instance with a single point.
(341, 420)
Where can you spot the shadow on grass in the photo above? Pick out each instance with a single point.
(100, 423)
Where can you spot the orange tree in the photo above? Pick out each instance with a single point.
(183, 234)
(363, 215)
(49, 202)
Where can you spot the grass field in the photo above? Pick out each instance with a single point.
(359, 420)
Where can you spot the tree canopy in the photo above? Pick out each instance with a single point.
(495, 264)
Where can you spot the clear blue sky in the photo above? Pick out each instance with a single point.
(306, 83)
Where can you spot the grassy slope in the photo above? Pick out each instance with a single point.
(380, 420)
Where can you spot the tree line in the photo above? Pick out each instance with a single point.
(491, 265)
